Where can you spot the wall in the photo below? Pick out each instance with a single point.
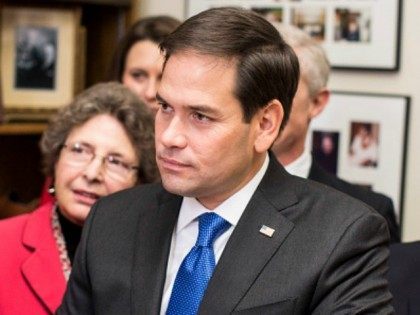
(406, 81)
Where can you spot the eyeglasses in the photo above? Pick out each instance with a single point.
(81, 154)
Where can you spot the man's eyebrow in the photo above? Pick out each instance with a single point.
(198, 107)
(160, 99)
(203, 108)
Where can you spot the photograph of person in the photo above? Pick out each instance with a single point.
(353, 25)
(325, 147)
(364, 144)
(36, 57)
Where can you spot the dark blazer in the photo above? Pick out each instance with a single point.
(328, 254)
(379, 202)
(404, 277)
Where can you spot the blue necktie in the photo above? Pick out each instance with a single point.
(197, 267)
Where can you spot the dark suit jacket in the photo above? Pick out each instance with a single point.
(404, 277)
(328, 254)
(379, 202)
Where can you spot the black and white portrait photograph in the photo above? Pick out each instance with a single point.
(36, 57)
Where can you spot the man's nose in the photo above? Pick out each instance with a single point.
(174, 134)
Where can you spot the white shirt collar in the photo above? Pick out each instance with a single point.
(302, 165)
(230, 210)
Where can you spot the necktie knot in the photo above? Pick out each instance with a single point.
(211, 225)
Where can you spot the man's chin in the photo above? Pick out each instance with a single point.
(175, 187)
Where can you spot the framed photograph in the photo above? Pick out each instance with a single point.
(38, 57)
(362, 138)
(362, 35)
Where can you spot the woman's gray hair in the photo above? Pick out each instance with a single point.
(112, 99)
(314, 64)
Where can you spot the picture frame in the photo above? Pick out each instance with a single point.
(356, 35)
(1, 104)
(38, 59)
(365, 135)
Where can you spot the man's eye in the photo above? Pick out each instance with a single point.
(164, 107)
(201, 117)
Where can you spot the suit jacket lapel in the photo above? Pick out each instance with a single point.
(248, 250)
(42, 267)
(153, 241)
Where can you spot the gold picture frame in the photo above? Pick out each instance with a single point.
(38, 58)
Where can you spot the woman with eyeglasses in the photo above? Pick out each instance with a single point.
(137, 63)
(101, 143)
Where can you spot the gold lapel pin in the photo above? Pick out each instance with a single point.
(267, 231)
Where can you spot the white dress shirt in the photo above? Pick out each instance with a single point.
(301, 166)
(186, 230)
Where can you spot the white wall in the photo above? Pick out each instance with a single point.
(175, 8)
(406, 81)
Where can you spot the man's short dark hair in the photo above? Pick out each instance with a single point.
(267, 68)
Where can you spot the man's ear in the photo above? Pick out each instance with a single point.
(319, 102)
(269, 120)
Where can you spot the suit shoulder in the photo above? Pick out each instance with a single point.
(376, 200)
(144, 192)
(129, 202)
(334, 219)
(326, 199)
(332, 192)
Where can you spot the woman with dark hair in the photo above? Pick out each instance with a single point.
(101, 143)
(138, 60)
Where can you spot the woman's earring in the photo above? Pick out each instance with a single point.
(51, 190)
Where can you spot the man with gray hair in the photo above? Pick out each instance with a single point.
(311, 98)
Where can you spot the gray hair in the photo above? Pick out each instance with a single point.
(314, 64)
(117, 101)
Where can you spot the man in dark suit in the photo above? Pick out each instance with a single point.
(228, 230)
(404, 277)
(311, 98)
